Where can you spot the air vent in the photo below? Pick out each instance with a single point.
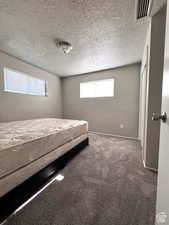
(142, 8)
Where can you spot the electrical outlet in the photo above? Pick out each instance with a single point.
(121, 126)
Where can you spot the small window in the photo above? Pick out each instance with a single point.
(98, 88)
(17, 82)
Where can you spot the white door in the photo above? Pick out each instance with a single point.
(143, 106)
(163, 174)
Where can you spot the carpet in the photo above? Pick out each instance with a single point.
(106, 184)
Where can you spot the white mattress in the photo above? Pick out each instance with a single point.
(22, 142)
(19, 176)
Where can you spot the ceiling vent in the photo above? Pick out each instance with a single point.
(143, 8)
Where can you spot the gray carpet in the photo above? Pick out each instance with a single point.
(105, 184)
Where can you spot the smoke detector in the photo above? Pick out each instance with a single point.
(65, 46)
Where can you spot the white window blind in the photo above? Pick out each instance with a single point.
(17, 82)
(98, 88)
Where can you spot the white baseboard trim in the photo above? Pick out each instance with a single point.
(150, 168)
(113, 135)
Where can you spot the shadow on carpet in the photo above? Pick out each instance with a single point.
(105, 184)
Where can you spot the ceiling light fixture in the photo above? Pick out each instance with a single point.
(65, 46)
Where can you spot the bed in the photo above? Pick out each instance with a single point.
(28, 146)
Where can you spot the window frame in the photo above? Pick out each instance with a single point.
(95, 81)
(5, 89)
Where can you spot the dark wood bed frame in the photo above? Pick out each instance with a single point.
(20, 196)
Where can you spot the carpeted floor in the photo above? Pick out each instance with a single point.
(105, 184)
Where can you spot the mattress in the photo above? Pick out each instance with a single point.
(19, 176)
(23, 142)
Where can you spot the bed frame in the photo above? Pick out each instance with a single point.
(20, 196)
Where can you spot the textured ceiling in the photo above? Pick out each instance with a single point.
(104, 34)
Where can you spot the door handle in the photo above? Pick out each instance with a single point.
(157, 117)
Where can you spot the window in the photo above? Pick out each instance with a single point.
(21, 83)
(98, 88)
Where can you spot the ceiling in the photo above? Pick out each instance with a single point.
(104, 34)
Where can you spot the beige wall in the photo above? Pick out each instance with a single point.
(20, 106)
(106, 114)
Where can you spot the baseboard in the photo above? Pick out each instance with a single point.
(113, 135)
(150, 168)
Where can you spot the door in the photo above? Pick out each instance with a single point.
(143, 106)
(162, 216)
